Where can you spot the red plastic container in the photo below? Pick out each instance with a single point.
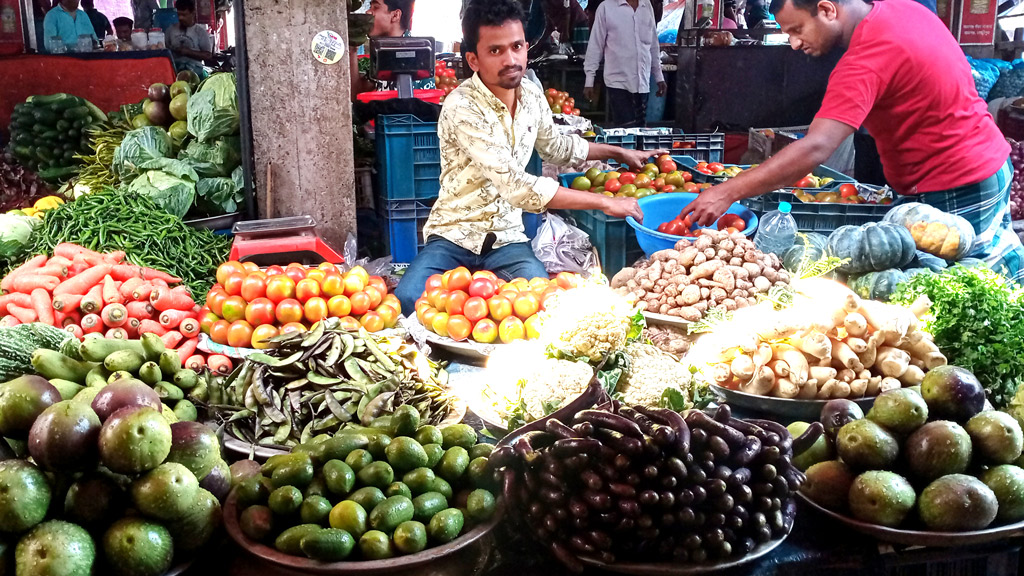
(433, 95)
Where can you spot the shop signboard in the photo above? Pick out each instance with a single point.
(977, 22)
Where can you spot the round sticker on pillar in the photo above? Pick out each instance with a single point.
(328, 47)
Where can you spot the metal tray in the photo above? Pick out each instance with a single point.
(418, 563)
(670, 569)
(809, 410)
(222, 222)
(665, 320)
(922, 537)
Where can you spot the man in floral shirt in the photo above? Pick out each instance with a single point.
(489, 127)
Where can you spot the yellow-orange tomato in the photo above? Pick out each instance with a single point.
(315, 309)
(316, 274)
(375, 296)
(288, 311)
(332, 285)
(439, 324)
(307, 288)
(240, 334)
(227, 269)
(339, 306)
(388, 314)
(233, 284)
(280, 287)
(360, 303)
(250, 267)
(219, 332)
(459, 328)
(292, 327)
(372, 321)
(349, 323)
(233, 308)
(261, 334)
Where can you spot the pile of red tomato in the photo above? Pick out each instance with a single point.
(709, 168)
(444, 78)
(248, 305)
(482, 307)
(562, 103)
(682, 226)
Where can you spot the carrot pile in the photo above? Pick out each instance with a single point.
(85, 292)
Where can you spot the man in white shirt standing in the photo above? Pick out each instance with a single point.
(625, 36)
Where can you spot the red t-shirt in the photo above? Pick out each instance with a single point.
(906, 79)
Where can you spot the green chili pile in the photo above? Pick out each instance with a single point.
(108, 220)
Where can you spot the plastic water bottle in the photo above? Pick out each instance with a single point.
(777, 231)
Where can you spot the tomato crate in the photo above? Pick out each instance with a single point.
(409, 158)
(701, 147)
(403, 226)
(689, 164)
(614, 239)
(821, 217)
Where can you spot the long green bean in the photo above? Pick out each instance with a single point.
(109, 220)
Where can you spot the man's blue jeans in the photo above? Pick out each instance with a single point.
(440, 255)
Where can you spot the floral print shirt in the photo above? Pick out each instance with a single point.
(484, 153)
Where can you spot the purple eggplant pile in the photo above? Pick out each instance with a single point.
(620, 484)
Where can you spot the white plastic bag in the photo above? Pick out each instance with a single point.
(563, 247)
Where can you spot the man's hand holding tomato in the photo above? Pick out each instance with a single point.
(712, 203)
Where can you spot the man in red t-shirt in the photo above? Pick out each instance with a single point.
(906, 80)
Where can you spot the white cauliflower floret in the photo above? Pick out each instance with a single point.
(651, 371)
(554, 382)
(595, 335)
(588, 322)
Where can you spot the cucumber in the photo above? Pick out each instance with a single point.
(46, 100)
(124, 360)
(77, 113)
(52, 364)
(78, 124)
(44, 154)
(63, 125)
(58, 173)
(44, 116)
(97, 349)
(23, 151)
(97, 114)
(68, 157)
(39, 128)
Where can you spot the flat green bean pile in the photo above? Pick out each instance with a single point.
(109, 220)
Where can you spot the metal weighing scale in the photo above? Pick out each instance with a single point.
(281, 240)
(402, 61)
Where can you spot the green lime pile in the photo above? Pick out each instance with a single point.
(371, 493)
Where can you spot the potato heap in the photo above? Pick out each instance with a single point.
(714, 269)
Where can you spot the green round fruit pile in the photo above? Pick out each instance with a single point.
(931, 458)
(370, 494)
(82, 464)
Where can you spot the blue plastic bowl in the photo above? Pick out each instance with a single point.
(660, 208)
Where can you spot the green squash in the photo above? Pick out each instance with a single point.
(938, 233)
(810, 244)
(877, 285)
(873, 246)
(926, 260)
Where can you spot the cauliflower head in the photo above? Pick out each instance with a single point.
(588, 322)
(551, 383)
(651, 371)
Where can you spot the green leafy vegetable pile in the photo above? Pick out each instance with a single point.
(109, 220)
(977, 318)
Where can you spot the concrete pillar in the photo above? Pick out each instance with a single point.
(301, 114)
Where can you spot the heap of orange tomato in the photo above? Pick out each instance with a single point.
(249, 305)
(460, 305)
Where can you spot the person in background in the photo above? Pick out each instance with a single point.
(100, 23)
(123, 28)
(755, 12)
(189, 42)
(729, 16)
(625, 36)
(143, 10)
(67, 22)
(488, 129)
(391, 19)
(904, 77)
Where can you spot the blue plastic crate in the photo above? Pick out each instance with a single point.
(702, 147)
(403, 227)
(627, 141)
(614, 239)
(821, 217)
(409, 158)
